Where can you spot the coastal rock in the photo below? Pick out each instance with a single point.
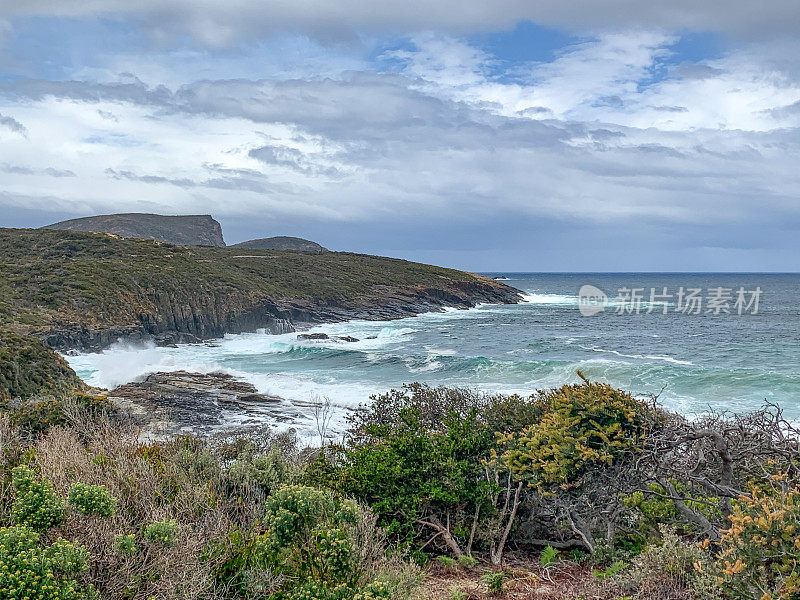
(313, 336)
(164, 404)
(346, 338)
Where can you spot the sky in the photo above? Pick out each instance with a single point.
(516, 135)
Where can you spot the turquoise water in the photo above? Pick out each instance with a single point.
(695, 362)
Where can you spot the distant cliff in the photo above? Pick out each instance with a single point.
(85, 290)
(281, 242)
(185, 230)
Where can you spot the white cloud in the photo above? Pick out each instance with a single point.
(625, 79)
(366, 147)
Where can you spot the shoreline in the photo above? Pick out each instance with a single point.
(294, 319)
(220, 401)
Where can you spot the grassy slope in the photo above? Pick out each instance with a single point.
(56, 278)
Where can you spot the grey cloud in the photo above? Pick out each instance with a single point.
(790, 110)
(12, 124)
(238, 181)
(20, 170)
(674, 109)
(534, 111)
(284, 156)
(37, 89)
(336, 20)
(695, 71)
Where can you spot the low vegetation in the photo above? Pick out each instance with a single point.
(578, 492)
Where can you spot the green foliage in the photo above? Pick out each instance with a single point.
(612, 570)
(29, 571)
(447, 561)
(457, 594)
(161, 532)
(548, 556)
(494, 581)
(125, 544)
(305, 532)
(36, 504)
(467, 562)
(583, 427)
(310, 541)
(269, 470)
(92, 499)
(66, 557)
(670, 565)
(654, 508)
(416, 453)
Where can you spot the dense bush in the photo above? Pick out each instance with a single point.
(161, 532)
(92, 499)
(583, 427)
(30, 571)
(28, 367)
(36, 504)
(418, 457)
(314, 544)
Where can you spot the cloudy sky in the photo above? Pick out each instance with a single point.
(512, 135)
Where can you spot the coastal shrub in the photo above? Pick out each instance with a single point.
(268, 471)
(316, 542)
(576, 460)
(29, 571)
(36, 504)
(416, 457)
(161, 532)
(759, 555)
(125, 544)
(583, 426)
(36, 415)
(652, 508)
(668, 569)
(92, 499)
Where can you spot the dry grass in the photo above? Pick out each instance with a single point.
(151, 483)
(527, 580)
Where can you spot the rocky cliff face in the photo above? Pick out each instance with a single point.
(282, 242)
(184, 230)
(191, 318)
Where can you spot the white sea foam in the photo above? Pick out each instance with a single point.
(668, 359)
(559, 299)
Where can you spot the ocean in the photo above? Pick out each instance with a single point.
(682, 346)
